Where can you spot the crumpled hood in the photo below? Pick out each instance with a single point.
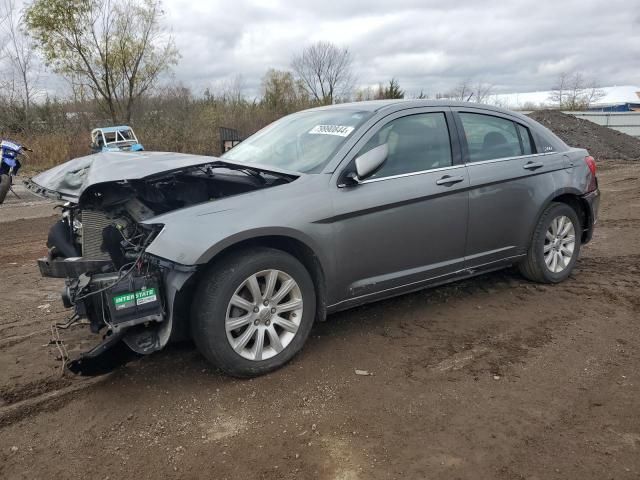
(69, 180)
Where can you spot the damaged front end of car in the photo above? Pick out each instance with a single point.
(110, 280)
(99, 245)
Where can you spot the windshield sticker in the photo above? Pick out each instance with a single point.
(339, 130)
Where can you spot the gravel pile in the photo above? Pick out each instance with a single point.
(602, 142)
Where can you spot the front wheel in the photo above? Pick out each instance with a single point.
(253, 311)
(555, 245)
(5, 185)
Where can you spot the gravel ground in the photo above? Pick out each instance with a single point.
(493, 377)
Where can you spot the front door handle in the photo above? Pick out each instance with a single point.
(448, 180)
(533, 165)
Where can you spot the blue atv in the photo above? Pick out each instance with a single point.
(9, 165)
(114, 139)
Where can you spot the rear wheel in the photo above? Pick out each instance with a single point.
(253, 311)
(5, 184)
(555, 245)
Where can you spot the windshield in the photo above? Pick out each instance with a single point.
(302, 142)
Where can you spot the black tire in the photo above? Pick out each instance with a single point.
(533, 267)
(5, 184)
(212, 298)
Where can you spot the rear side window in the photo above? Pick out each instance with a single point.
(490, 137)
(525, 137)
(416, 143)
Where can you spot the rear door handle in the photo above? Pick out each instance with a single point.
(533, 165)
(448, 180)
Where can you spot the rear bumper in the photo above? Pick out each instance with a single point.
(592, 201)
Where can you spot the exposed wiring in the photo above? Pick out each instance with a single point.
(75, 318)
(104, 317)
(129, 240)
(62, 349)
(112, 284)
(120, 275)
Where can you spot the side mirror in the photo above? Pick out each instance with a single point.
(369, 163)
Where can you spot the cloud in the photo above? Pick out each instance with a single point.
(428, 45)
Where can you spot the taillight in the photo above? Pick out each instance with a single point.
(591, 163)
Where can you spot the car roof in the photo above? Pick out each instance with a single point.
(112, 129)
(402, 104)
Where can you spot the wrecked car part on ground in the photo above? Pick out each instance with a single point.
(99, 247)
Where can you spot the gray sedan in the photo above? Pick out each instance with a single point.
(320, 211)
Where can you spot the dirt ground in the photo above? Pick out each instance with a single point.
(601, 142)
(493, 377)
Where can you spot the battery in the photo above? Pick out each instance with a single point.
(134, 299)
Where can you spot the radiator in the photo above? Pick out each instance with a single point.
(93, 222)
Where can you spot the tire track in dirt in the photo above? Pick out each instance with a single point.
(43, 396)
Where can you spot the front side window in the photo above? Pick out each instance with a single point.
(302, 142)
(490, 137)
(125, 135)
(416, 143)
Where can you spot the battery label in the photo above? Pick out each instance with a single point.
(127, 300)
(146, 296)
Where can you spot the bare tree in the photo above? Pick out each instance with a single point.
(6, 82)
(559, 90)
(482, 92)
(366, 93)
(592, 94)
(462, 92)
(281, 92)
(233, 89)
(325, 71)
(3, 19)
(574, 92)
(466, 91)
(20, 56)
(114, 49)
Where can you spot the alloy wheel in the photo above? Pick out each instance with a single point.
(559, 244)
(264, 314)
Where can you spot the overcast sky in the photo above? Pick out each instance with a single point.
(429, 45)
(516, 45)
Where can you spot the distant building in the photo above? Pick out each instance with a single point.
(229, 138)
(624, 98)
(618, 99)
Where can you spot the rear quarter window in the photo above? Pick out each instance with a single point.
(527, 144)
(490, 137)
